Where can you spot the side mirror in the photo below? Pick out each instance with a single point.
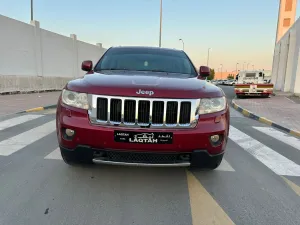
(204, 71)
(87, 65)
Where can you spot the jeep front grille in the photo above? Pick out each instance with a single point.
(143, 112)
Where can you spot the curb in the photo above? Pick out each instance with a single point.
(264, 120)
(37, 109)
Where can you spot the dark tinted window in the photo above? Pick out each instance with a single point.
(146, 59)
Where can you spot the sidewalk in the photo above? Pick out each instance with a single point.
(19, 102)
(281, 110)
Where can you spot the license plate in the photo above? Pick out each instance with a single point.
(144, 137)
(253, 88)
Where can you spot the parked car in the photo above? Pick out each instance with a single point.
(143, 106)
(223, 82)
(230, 82)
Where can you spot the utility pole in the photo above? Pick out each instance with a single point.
(221, 71)
(208, 55)
(182, 44)
(160, 23)
(31, 11)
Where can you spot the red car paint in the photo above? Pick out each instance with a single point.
(102, 137)
(185, 140)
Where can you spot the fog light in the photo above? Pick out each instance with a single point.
(215, 138)
(70, 132)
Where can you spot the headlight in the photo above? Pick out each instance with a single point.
(212, 105)
(75, 99)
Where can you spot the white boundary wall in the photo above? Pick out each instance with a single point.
(286, 61)
(34, 59)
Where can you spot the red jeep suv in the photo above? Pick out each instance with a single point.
(143, 106)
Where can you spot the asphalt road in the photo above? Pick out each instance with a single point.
(257, 183)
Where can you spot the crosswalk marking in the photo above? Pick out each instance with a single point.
(16, 143)
(225, 166)
(17, 120)
(54, 155)
(273, 160)
(285, 138)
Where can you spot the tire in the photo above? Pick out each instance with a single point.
(215, 163)
(73, 158)
(206, 162)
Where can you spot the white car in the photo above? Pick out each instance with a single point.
(230, 82)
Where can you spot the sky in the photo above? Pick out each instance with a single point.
(237, 31)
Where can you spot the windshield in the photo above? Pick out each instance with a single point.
(146, 59)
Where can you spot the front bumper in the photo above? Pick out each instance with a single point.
(197, 158)
(91, 139)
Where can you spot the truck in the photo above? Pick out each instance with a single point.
(143, 106)
(252, 83)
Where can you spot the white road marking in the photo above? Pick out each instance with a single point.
(272, 159)
(285, 138)
(54, 155)
(16, 143)
(225, 166)
(17, 120)
(290, 99)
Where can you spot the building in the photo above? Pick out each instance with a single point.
(286, 63)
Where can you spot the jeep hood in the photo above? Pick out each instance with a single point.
(145, 85)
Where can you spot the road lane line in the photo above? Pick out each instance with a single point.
(17, 120)
(16, 143)
(281, 136)
(54, 155)
(293, 186)
(225, 166)
(270, 158)
(204, 209)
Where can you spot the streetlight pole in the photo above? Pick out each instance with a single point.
(182, 44)
(31, 9)
(221, 71)
(253, 67)
(247, 65)
(208, 55)
(160, 23)
(236, 67)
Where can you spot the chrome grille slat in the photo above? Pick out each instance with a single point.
(142, 112)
